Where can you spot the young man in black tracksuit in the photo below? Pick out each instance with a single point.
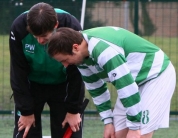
(36, 78)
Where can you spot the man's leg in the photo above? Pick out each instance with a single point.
(149, 135)
(58, 112)
(79, 134)
(34, 132)
(38, 93)
(57, 118)
(155, 99)
(122, 133)
(56, 97)
(16, 133)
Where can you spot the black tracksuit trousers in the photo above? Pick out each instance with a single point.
(54, 96)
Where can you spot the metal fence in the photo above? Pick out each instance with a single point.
(155, 20)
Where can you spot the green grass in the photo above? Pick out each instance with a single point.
(93, 128)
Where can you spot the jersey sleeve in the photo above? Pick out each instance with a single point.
(19, 69)
(117, 72)
(75, 90)
(120, 76)
(99, 92)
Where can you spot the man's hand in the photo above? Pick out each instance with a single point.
(25, 122)
(73, 120)
(133, 134)
(109, 131)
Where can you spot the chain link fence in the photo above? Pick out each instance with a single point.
(154, 20)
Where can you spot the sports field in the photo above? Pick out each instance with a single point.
(93, 128)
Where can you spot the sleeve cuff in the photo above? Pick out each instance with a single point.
(27, 113)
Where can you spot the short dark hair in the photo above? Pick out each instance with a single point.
(63, 40)
(41, 19)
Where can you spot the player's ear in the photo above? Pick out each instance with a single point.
(75, 47)
(57, 23)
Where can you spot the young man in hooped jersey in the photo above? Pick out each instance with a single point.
(36, 78)
(141, 72)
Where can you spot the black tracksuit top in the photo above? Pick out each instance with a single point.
(30, 62)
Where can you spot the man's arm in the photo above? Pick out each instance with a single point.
(19, 68)
(101, 98)
(75, 90)
(68, 20)
(99, 92)
(119, 74)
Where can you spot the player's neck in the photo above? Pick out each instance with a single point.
(84, 48)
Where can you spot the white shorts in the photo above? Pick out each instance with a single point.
(156, 97)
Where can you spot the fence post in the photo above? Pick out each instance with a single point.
(136, 7)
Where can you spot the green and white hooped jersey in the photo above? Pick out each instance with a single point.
(124, 59)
